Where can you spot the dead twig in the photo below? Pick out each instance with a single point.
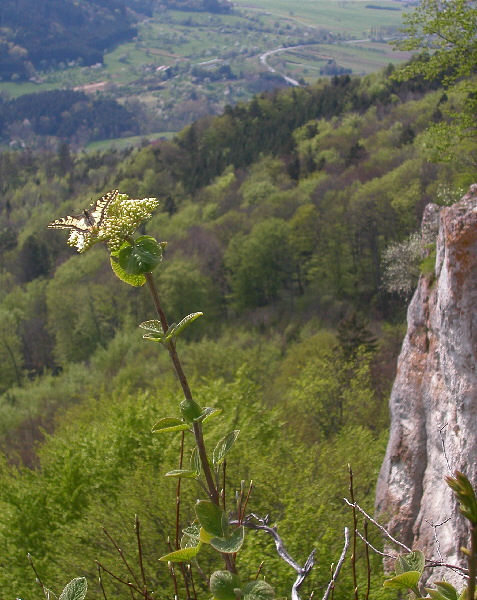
(334, 577)
(302, 572)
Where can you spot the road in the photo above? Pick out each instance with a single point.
(265, 55)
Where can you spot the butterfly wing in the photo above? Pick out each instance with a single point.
(99, 209)
(90, 218)
(78, 222)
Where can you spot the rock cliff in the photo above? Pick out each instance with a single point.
(434, 398)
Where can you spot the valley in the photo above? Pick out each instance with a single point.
(186, 65)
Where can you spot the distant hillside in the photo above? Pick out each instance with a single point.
(39, 34)
(66, 115)
(213, 6)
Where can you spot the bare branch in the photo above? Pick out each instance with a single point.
(438, 544)
(431, 564)
(139, 549)
(374, 522)
(128, 584)
(100, 580)
(302, 572)
(368, 543)
(334, 577)
(123, 558)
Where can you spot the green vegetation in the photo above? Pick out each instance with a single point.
(447, 41)
(276, 214)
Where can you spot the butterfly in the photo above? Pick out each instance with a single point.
(89, 218)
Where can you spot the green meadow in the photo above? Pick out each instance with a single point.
(340, 16)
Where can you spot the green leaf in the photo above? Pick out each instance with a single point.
(195, 464)
(189, 542)
(169, 424)
(443, 591)
(153, 326)
(142, 257)
(75, 589)
(212, 518)
(224, 584)
(190, 410)
(187, 473)
(186, 321)
(231, 544)
(465, 495)
(414, 561)
(223, 447)
(154, 337)
(182, 555)
(154, 330)
(134, 280)
(404, 581)
(208, 413)
(258, 590)
(193, 531)
(170, 331)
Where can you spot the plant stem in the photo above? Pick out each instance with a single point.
(472, 562)
(199, 438)
(355, 526)
(197, 427)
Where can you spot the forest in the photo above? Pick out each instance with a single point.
(65, 115)
(39, 35)
(277, 216)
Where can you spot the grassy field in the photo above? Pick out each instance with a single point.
(351, 18)
(127, 141)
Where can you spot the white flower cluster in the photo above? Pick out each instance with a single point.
(124, 217)
(80, 240)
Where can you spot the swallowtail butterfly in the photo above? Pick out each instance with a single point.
(89, 218)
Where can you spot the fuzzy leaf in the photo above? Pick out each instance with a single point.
(181, 473)
(134, 280)
(443, 591)
(75, 590)
(208, 413)
(193, 531)
(195, 461)
(212, 518)
(154, 330)
(414, 561)
(142, 257)
(404, 581)
(190, 410)
(189, 542)
(465, 494)
(258, 590)
(231, 544)
(182, 555)
(223, 447)
(169, 424)
(186, 321)
(224, 584)
(153, 326)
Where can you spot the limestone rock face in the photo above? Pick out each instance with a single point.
(434, 398)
